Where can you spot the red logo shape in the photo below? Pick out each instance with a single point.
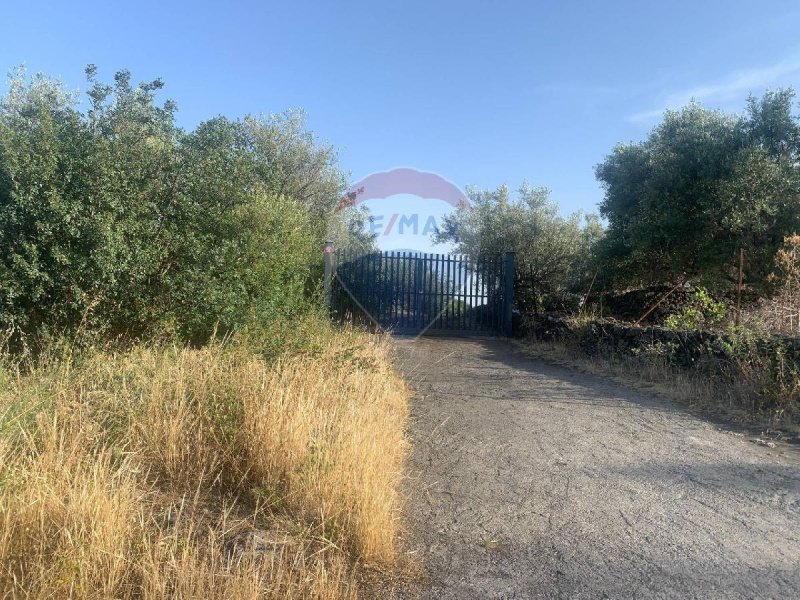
(404, 181)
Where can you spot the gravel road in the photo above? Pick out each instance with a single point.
(533, 481)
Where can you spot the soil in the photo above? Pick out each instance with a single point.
(530, 480)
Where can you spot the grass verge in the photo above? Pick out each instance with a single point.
(736, 393)
(165, 471)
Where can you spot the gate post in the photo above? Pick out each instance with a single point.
(328, 278)
(509, 267)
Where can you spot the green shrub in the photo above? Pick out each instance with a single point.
(702, 311)
(119, 222)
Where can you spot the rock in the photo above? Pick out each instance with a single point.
(256, 542)
(766, 443)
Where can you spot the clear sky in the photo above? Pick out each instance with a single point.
(481, 92)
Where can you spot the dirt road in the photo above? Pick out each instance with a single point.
(532, 481)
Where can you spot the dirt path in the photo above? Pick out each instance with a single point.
(532, 481)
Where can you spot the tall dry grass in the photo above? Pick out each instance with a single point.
(200, 473)
(751, 388)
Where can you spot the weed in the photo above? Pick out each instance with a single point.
(702, 311)
(128, 474)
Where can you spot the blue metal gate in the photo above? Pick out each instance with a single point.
(420, 293)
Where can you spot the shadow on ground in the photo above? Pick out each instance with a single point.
(531, 480)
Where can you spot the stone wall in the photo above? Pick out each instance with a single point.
(758, 373)
(629, 306)
(683, 348)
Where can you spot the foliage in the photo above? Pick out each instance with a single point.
(552, 251)
(119, 221)
(703, 185)
(787, 263)
(347, 229)
(766, 367)
(787, 280)
(702, 311)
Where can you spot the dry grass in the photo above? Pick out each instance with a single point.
(200, 473)
(650, 374)
(737, 394)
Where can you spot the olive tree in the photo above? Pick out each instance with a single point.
(703, 186)
(118, 220)
(553, 251)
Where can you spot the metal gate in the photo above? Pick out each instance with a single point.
(420, 293)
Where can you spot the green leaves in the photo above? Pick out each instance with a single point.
(120, 221)
(703, 185)
(555, 252)
(701, 312)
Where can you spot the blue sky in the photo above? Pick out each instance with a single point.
(482, 93)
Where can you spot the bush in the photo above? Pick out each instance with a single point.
(702, 311)
(763, 369)
(120, 222)
(554, 254)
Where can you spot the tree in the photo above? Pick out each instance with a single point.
(772, 126)
(120, 221)
(551, 250)
(703, 185)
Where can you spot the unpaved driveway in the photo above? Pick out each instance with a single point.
(532, 481)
